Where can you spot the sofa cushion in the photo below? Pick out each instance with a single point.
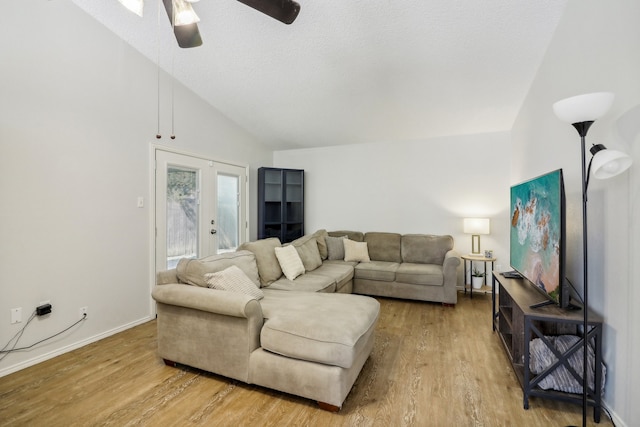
(420, 274)
(192, 271)
(309, 282)
(340, 272)
(234, 280)
(383, 271)
(335, 247)
(356, 251)
(307, 247)
(290, 261)
(268, 266)
(384, 246)
(425, 248)
(323, 328)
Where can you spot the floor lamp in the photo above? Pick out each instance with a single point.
(581, 111)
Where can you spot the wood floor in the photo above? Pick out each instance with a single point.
(431, 366)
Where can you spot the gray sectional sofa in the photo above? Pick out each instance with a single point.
(411, 266)
(301, 331)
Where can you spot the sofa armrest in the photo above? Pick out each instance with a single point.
(452, 257)
(208, 329)
(450, 267)
(209, 300)
(166, 277)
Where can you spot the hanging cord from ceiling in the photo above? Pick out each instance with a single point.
(173, 60)
(158, 135)
(173, 16)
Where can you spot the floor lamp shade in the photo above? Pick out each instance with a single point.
(583, 108)
(476, 227)
(608, 163)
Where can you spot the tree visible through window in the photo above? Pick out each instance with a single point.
(182, 215)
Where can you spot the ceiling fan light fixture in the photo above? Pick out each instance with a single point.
(135, 6)
(184, 13)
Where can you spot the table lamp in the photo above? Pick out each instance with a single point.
(476, 227)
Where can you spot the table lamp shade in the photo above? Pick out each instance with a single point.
(476, 225)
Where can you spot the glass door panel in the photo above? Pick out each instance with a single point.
(228, 213)
(228, 217)
(182, 215)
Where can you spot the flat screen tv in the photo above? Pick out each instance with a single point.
(538, 233)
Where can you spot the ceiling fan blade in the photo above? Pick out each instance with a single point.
(283, 10)
(187, 36)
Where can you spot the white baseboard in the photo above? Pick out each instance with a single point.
(615, 417)
(39, 359)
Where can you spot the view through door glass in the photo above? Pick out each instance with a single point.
(228, 213)
(230, 207)
(182, 215)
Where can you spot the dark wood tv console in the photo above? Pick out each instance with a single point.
(517, 324)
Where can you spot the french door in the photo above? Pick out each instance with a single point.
(200, 207)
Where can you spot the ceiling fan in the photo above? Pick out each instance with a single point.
(187, 33)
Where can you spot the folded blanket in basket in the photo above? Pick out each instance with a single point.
(561, 379)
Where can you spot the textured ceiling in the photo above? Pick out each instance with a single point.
(353, 71)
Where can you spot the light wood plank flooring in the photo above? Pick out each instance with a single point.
(431, 366)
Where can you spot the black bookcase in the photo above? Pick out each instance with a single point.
(280, 203)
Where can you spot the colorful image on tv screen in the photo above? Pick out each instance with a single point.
(536, 230)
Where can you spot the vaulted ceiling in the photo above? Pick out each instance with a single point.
(353, 71)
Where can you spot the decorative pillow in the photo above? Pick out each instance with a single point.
(290, 261)
(192, 271)
(234, 280)
(356, 251)
(308, 251)
(320, 236)
(335, 247)
(268, 267)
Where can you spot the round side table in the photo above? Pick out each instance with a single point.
(477, 258)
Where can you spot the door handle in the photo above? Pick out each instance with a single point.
(213, 231)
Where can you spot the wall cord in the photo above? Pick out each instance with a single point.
(5, 352)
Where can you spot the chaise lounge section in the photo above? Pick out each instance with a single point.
(309, 344)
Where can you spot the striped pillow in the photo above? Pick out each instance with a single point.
(234, 280)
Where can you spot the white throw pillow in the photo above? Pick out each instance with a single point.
(290, 261)
(234, 280)
(356, 251)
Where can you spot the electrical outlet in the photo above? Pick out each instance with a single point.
(16, 315)
(82, 312)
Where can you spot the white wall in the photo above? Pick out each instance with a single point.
(595, 48)
(409, 187)
(78, 112)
